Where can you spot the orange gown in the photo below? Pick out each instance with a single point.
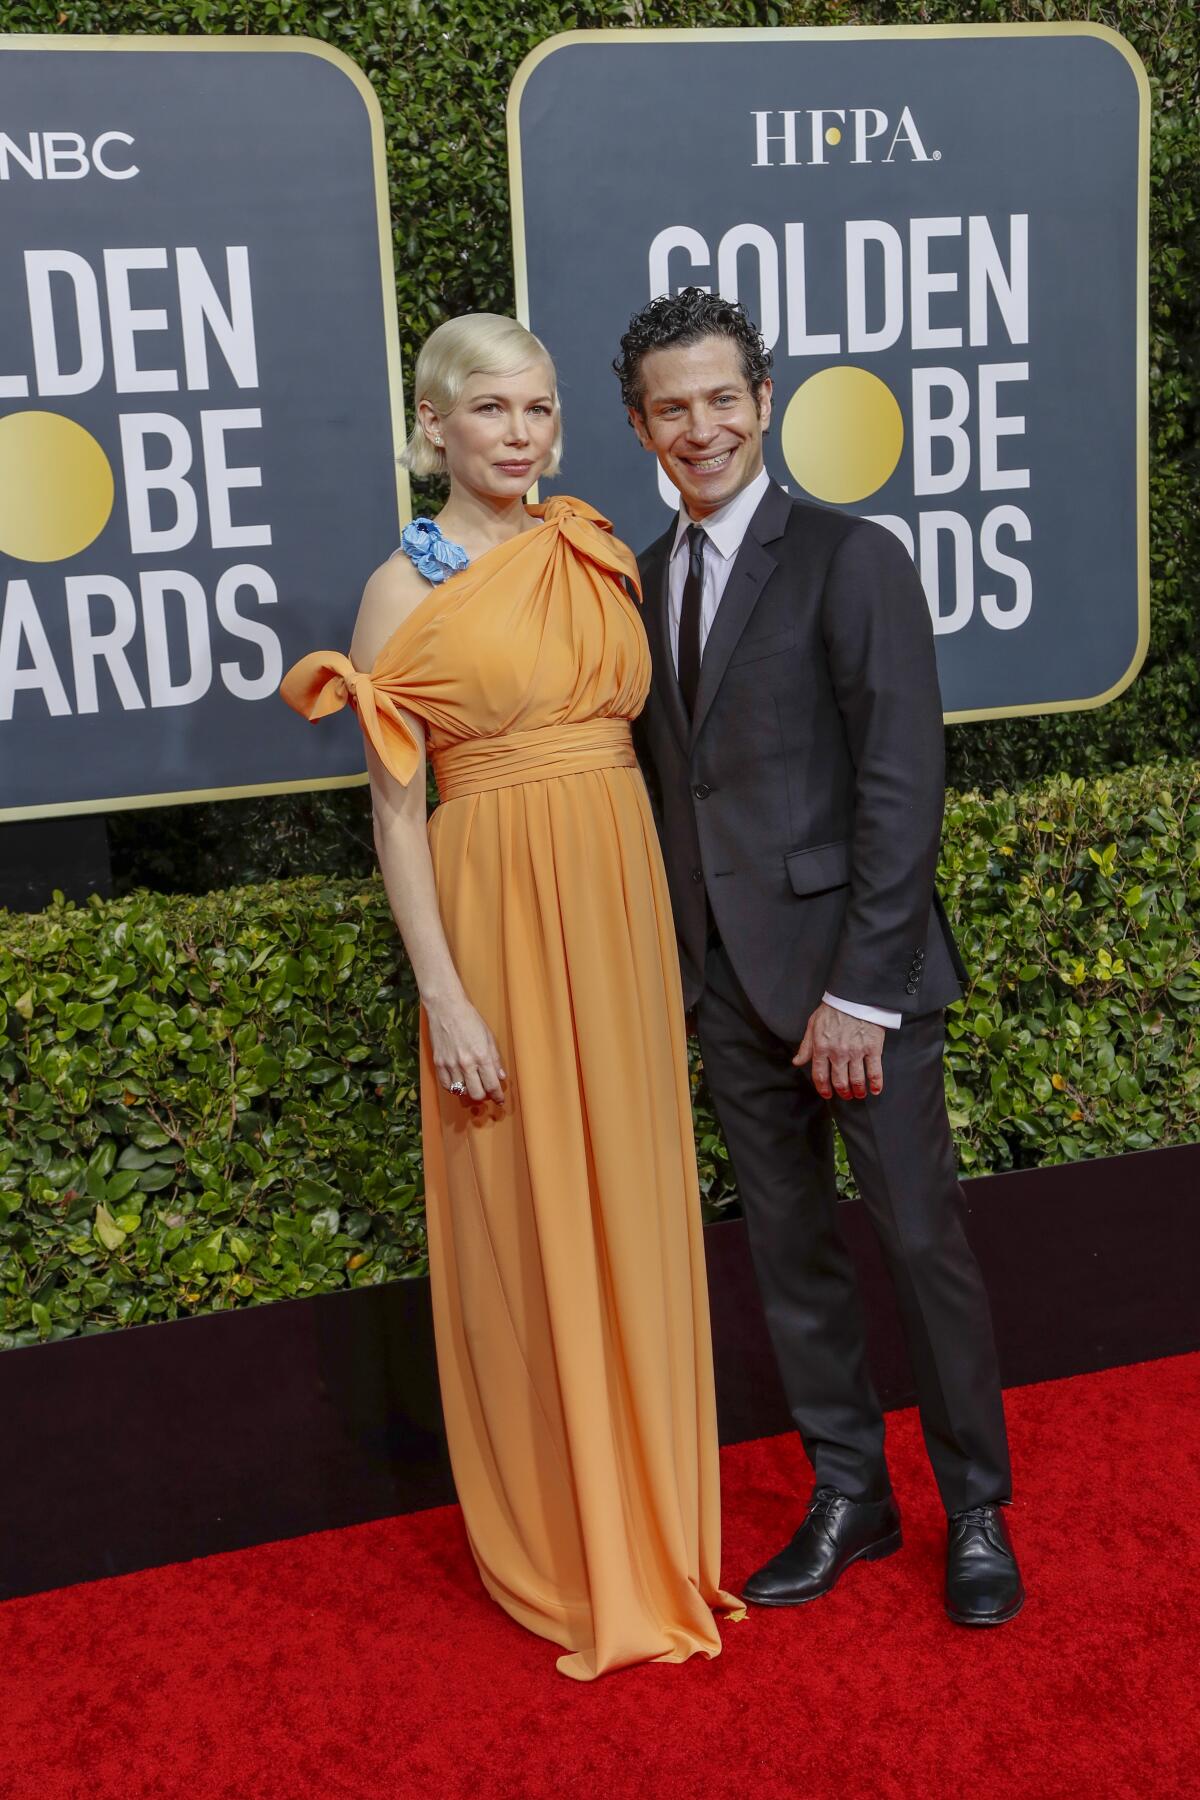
(566, 1263)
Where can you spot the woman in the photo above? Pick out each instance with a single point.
(564, 1229)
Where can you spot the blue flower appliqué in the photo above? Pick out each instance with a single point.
(432, 555)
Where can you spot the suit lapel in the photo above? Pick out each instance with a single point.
(752, 568)
(656, 563)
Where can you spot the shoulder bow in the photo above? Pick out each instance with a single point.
(323, 682)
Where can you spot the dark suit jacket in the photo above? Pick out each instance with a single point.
(807, 796)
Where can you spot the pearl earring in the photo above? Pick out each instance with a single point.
(438, 442)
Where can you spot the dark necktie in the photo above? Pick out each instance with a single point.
(689, 618)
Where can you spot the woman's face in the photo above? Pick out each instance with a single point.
(498, 439)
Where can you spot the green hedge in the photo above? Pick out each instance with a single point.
(212, 1102)
(441, 71)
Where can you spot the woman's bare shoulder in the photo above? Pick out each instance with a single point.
(392, 592)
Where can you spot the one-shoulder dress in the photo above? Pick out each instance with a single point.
(566, 1263)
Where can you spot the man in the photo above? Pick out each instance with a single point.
(794, 748)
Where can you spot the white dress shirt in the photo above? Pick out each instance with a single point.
(724, 530)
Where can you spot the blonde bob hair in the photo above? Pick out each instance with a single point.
(476, 344)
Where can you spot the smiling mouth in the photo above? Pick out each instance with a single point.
(709, 465)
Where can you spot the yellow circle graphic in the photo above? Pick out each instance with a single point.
(833, 135)
(842, 434)
(56, 487)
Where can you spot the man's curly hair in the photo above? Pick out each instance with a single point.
(685, 318)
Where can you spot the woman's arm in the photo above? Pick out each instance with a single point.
(463, 1046)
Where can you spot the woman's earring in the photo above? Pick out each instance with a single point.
(438, 442)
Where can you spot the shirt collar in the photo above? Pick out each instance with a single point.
(727, 526)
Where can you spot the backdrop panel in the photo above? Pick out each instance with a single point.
(942, 232)
(200, 410)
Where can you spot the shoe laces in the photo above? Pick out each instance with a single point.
(975, 1515)
(977, 1518)
(824, 1503)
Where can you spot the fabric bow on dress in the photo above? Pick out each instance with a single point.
(322, 683)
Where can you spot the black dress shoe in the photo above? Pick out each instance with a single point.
(983, 1582)
(836, 1532)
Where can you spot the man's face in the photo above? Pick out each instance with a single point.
(701, 421)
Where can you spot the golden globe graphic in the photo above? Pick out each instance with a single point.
(56, 487)
(842, 434)
(199, 416)
(941, 233)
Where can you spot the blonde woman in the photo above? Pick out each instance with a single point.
(564, 1226)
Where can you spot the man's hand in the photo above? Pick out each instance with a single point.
(846, 1054)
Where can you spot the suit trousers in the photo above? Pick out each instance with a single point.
(779, 1132)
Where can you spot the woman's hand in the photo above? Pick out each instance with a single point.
(465, 1050)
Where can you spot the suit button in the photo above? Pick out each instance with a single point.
(702, 790)
(910, 987)
(697, 874)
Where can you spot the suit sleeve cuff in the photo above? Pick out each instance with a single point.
(874, 1015)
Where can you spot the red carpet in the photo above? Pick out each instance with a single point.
(368, 1663)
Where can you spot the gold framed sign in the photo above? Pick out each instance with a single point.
(942, 233)
(200, 411)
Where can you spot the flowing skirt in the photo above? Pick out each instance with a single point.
(566, 1262)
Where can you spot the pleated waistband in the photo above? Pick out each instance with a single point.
(519, 756)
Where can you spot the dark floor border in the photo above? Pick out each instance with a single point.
(135, 1448)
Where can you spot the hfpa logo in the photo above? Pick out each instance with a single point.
(781, 142)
